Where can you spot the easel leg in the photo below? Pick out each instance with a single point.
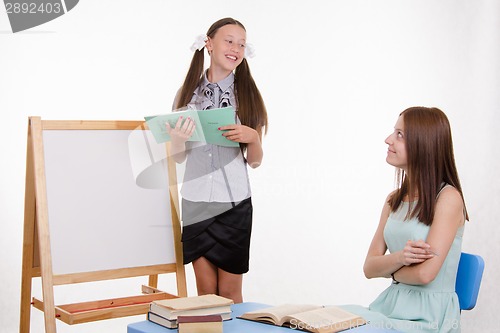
(28, 242)
(42, 225)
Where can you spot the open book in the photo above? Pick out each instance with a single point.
(207, 123)
(310, 318)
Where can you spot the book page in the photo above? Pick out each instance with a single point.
(329, 319)
(275, 314)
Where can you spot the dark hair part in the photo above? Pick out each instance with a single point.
(251, 109)
(430, 162)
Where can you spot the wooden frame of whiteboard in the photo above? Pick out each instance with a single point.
(37, 259)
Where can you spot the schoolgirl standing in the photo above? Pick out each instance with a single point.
(216, 195)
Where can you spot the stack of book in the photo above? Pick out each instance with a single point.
(165, 312)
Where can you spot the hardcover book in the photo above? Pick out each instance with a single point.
(200, 324)
(172, 323)
(210, 304)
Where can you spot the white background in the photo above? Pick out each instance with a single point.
(334, 75)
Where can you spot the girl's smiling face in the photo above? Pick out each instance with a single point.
(227, 48)
(396, 152)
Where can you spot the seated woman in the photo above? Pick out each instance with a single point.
(421, 225)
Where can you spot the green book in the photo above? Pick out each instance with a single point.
(207, 123)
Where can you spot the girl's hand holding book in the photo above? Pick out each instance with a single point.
(240, 133)
(182, 130)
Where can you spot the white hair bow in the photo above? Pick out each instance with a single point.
(199, 43)
(249, 50)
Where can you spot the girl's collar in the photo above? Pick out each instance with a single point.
(223, 84)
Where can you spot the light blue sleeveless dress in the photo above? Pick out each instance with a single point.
(410, 308)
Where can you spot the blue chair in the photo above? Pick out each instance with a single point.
(469, 275)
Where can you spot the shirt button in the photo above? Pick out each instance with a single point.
(210, 177)
(209, 154)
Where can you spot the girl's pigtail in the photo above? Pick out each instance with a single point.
(251, 108)
(192, 80)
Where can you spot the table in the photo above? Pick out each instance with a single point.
(237, 325)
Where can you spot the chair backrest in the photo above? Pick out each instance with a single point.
(469, 275)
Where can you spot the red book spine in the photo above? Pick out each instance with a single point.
(199, 319)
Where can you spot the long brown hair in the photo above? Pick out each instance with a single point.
(251, 109)
(430, 162)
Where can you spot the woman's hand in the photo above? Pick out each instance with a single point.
(240, 133)
(416, 252)
(182, 131)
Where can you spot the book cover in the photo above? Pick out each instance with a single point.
(207, 123)
(173, 323)
(157, 319)
(194, 302)
(200, 324)
(194, 306)
(199, 319)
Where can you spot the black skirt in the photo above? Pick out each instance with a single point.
(219, 232)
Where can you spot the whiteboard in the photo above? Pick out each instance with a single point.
(108, 200)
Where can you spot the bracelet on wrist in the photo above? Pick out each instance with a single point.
(394, 281)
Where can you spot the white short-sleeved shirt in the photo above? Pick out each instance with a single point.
(215, 173)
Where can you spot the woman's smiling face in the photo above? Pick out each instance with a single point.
(396, 152)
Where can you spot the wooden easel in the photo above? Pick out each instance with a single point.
(37, 258)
